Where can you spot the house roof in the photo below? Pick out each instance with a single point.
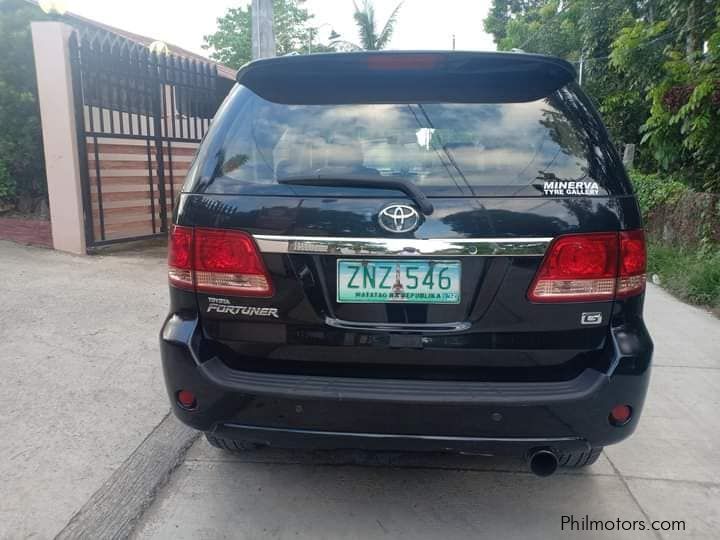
(71, 18)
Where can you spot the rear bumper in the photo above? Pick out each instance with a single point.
(332, 440)
(334, 412)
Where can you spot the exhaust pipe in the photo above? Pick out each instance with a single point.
(543, 462)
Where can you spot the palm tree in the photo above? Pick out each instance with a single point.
(370, 39)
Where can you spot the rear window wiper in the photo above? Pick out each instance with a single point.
(401, 184)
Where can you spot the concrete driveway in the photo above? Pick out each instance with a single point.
(86, 440)
(80, 377)
(669, 470)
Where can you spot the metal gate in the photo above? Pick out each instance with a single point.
(140, 118)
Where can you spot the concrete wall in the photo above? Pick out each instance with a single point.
(687, 221)
(57, 112)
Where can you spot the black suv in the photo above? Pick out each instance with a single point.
(409, 251)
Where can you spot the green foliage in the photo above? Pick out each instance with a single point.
(502, 11)
(7, 184)
(643, 64)
(653, 190)
(664, 59)
(623, 106)
(693, 275)
(632, 51)
(571, 30)
(550, 29)
(22, 170)
(682, 87)
(370, 38)
(231, 43)
(292, 26)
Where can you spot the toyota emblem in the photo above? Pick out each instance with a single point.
(399, 218)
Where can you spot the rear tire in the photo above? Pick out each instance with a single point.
(576, 460)
(231, 445)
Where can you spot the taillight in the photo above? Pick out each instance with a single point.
(591, 268)
(228, 262)
(180, 257)
(633, 263)
(217, 261)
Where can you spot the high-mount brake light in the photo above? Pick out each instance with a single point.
(217, 261)
(591, 267)
(393, 61)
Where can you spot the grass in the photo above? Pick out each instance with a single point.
(692, 275)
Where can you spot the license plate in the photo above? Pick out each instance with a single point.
(378, 281)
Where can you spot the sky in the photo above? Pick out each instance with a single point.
(422, 24)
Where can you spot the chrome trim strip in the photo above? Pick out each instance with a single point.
(398, 327)
(404, 247)
(529, 441)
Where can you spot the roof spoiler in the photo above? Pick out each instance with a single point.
(406, 77)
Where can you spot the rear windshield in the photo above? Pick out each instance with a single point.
(539, 145)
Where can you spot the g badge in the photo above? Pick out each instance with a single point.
(594, 317)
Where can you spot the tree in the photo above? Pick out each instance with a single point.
(231, 43)
(517, 24)
(549, 27)
(370, 39)
(22, 168)
(644, 64)
(682, 84)
(622, 103)
(574, 30)
(502, 11)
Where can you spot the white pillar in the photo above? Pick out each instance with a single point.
(57, 112)
(263, 34)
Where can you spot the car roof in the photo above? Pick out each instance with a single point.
(406, 76)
